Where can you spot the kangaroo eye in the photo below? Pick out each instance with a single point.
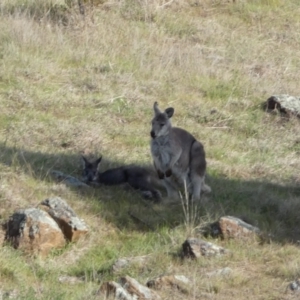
(161, 124)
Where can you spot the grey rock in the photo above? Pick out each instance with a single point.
(113, 290)
(295, 285)
(232, 227)
(127, 289)
(286, 104)
(195, 248)
(71, 225)
(135, 288)
(34, 231)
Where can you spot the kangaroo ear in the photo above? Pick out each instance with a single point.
(84, 161)
(156, 109)
(169, 111)
(97, 162)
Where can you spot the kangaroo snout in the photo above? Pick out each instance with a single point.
(95, 178)
(152, 133)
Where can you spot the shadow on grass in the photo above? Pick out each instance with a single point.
(272, 207)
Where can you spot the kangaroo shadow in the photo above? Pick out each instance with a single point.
(39, 164)
(272, 207)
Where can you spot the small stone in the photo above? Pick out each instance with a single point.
(195, 248)
(295, 285)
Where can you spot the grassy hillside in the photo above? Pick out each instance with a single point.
(73, 83)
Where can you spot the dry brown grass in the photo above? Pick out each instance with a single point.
(71, 84)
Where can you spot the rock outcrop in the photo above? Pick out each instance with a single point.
(195, 248)
(231, 227)
(34, 231)
(72, 227)
(127, 289)
(39, 230)
(285, 104)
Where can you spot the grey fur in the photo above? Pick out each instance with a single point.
(140, 178)
(177, 154)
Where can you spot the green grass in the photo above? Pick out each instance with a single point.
(71, 84)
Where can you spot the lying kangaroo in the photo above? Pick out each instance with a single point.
(176, 152)
(140, 178)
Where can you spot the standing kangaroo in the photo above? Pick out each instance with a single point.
(176, 152)
(139, 178)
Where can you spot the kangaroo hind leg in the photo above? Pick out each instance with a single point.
(153, 194)
(205, 188)
(141, 183)
(196, 186)
(197, 171)
(172, 190)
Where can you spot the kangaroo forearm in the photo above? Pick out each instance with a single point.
(174, 159)
(160, 174)
(169, 173)
(164, 169)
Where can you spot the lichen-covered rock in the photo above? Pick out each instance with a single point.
(178, 282)
(127, 289)
(195, 248)
(72, 227)
(34, 231)
(136, 289)
(232, 227)
(113, 290)
(289, 105)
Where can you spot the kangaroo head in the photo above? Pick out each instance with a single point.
(161, 122)
(90, 169)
